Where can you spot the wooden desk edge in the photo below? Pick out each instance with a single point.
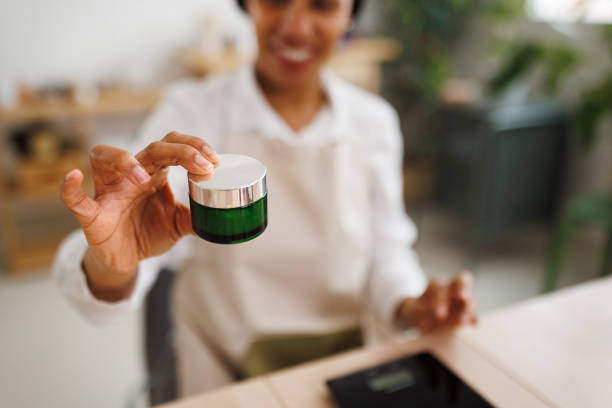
(499, 385)
(255, 392)
(304, 386)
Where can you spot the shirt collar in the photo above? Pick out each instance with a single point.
(252, 107)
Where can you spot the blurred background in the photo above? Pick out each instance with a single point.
(504, 107)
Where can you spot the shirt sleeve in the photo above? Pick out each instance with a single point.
(172, 114)
(396, 273)
(69, 276)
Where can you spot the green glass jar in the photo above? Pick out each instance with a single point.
(232, 206)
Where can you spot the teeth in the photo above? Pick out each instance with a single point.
(295, 54)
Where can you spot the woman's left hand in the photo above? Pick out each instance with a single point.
(442, 305)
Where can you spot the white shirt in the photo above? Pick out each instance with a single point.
(233, 103)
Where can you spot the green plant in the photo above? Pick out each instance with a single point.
(594, 103)
(559, 61)
(594, 209)
(427, 31)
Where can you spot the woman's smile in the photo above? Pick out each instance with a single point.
(292, 57)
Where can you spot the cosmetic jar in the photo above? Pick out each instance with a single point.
(230, 206)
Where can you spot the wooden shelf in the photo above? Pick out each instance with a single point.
(110, 102)
(48, 192)
(360, 61)
(27, 243)
(375, 50)
(29, 250)
(199, 64)
(33, 255)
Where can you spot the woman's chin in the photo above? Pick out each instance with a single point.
(296, 72)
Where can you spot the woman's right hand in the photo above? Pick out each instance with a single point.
(133, 214)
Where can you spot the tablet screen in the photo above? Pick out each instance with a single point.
(415, 381)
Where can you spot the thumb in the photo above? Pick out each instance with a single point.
(80, 204)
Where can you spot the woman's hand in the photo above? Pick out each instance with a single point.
(133, 214)
(442, 305)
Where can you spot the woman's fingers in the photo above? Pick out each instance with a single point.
(158, 155)
(110, 165)
(444, 305)
(462, 285)
(463, 305)
(199, 144)
(435, 297)
(84, 208)
(431, 309)
(459, 311)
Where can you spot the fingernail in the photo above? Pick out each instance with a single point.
(202, 162)
(211, 153)
(140, 174)
(441, 312)
(67, 177)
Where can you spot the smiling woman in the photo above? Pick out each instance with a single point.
(338, 240)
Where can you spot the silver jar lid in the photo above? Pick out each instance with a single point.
(238, 181)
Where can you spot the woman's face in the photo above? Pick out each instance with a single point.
(295, 37)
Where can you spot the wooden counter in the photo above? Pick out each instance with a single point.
(304, 386)
(559, 344)
(554, 350)
(246, 394)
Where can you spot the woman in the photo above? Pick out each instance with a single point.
(337, 244)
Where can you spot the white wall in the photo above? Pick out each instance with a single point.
(54, 40)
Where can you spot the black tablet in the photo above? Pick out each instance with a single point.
(418, 380)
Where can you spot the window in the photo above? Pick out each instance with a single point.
(587, 11)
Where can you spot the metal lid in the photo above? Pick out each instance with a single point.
(237, 182)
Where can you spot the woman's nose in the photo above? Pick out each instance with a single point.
(297, 23)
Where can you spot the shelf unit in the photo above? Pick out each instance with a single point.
(19, 206)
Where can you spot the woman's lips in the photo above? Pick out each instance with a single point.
(294, 58)
(295, 54)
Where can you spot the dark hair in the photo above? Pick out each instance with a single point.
(357, 6)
